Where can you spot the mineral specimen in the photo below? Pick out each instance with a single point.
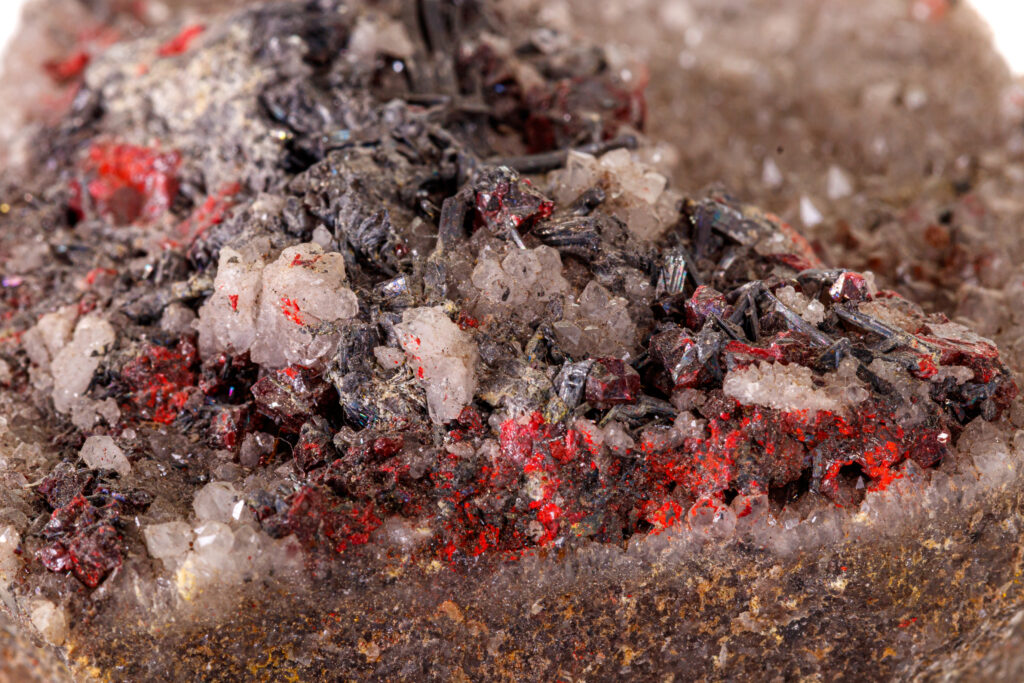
(394, 292)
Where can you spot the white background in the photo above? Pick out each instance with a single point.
(9, 12)
(1006, 17)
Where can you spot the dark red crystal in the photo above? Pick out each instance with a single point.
(506, 201)
(705, 302)
(690, 360)
(314, 447)
(129, 182)
(850, 286)
(84, 540)
(160, 380)
(290, 395)
(95, 553)
(611, 382)
(229, 426)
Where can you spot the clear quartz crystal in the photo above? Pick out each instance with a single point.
(101, 453)
(809, 213)
(280, 312)
(168, 540)
(524, 278)
(254, 447)
(177, 319)
(617, 439)
(491, 280)
(598, 324)
(442, 356)
(247, 547)
(809, 309)
(77, 361)
(638, 194)
(49, 335)
(227, 321)
(711, 517)
(303, 290)
(50, 620)
(10, 562)
(216, 502)
(838, 183)
(213, 545)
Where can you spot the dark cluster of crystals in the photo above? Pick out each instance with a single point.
(83, 534)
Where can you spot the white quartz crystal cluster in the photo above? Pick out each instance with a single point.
(443, 357)
(636, 194)
(686, 425)
(811, 310)
(522, 279)
(376, 34)
(612, 437)
(66, 350)
(792, 388)
(597, 324)
(900, 314)
(282, 313)
(223, 547)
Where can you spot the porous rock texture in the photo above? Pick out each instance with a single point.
(325, 359)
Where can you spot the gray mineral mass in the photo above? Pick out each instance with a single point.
(432, 340)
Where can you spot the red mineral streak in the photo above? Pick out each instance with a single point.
(211, 212)
(290, 310)
(180, 43)
(69, 68)
(317, 518)
(97, 273)
(305, 263)
(466, 321)
(702, 469)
